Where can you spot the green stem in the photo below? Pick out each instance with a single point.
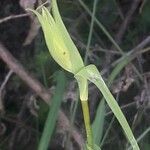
(86, 116)
(83, 88)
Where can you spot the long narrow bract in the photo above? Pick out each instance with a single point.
(65, 55)
(74, 53)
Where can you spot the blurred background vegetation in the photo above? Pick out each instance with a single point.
(23, 113)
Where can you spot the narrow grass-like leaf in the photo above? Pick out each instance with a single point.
(98, 123)
(111, 78)
(91, 31)
(92, 74)
(101, 27)
(53, 112)
(108, 35)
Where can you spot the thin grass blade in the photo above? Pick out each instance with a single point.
(92, 74)
(98, 123)
(53, 112)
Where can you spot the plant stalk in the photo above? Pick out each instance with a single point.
(86, 115)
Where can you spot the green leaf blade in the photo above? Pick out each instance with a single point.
(98, 124)
(92, 74)
(53, 113)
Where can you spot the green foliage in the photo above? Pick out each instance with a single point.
(53, 112)
(98, 123)
(93, 32)
(92, 74)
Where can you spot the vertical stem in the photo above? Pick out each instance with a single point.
(86, 116)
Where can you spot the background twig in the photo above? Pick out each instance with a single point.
(13, 17)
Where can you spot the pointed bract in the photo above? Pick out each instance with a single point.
(58, 41)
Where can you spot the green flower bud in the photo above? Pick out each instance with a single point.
(58, 41)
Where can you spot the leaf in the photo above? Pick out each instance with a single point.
(98, 124)
(53, 112)
(92, 74)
